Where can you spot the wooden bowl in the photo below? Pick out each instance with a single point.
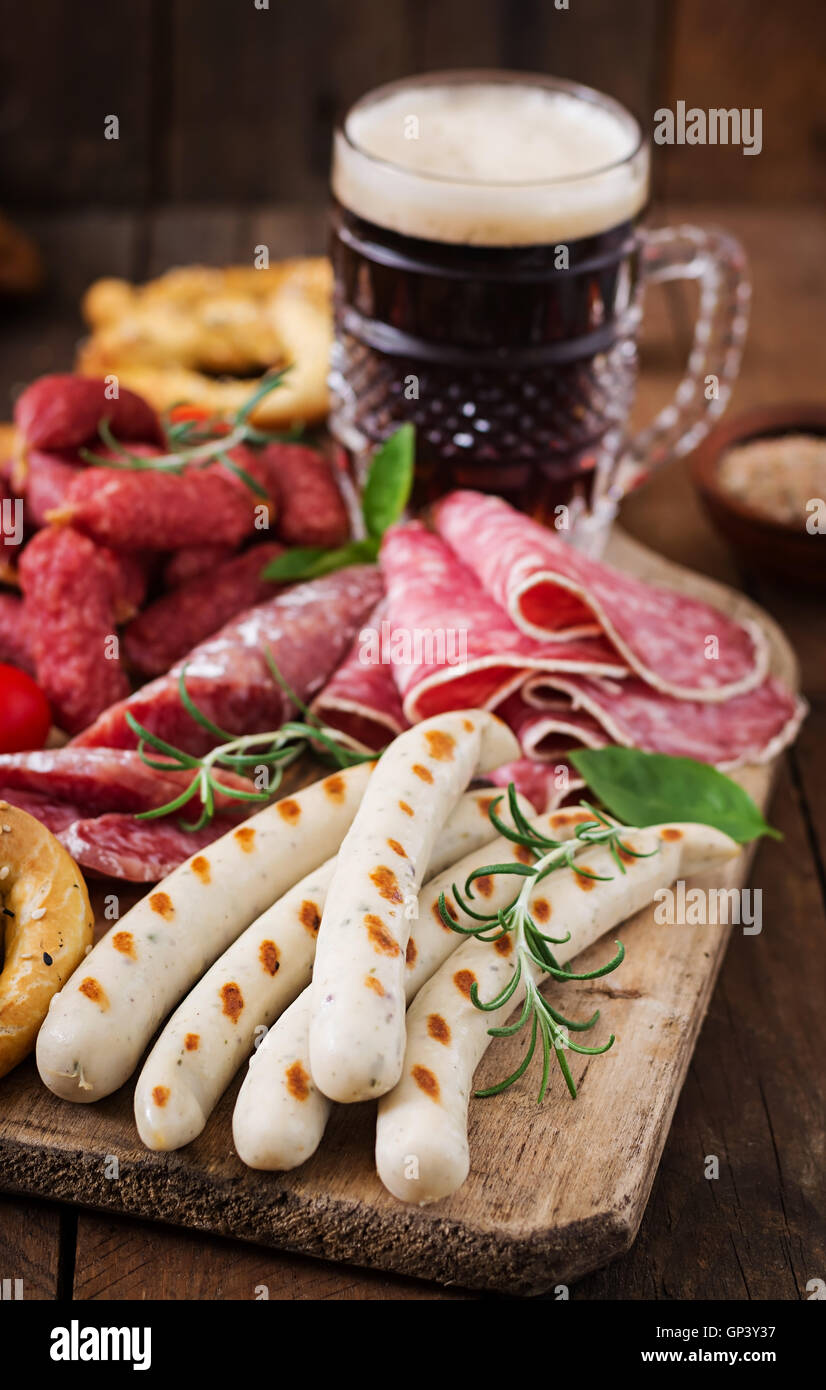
(761, 543)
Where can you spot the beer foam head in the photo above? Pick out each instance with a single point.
(490, 162)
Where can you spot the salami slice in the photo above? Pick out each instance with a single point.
(175, 623)
(120, 846)
(15, 639)
(102, 779)
(748, 728)
(677, 644)
(361, 698)
(545, 786)
(308, 629)
(552, 730)
(451, 645)
(72, 588)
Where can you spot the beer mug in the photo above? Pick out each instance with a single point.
(489, 266)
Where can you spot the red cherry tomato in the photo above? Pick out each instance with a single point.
(25, 718)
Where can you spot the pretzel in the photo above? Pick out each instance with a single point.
(48, 927)
(206, 336)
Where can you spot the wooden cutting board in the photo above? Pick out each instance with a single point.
(554, 1191)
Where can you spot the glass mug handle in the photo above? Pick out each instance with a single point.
(719, 263)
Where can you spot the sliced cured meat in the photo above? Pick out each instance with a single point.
(361, 698)
(71, 587)
(546, 787)
(120, 846)
(174, 624)
(552, 730)
(15, 640)
(149, 509)
(55, 815)
(451, 645)
(11, 530)
(63, 411)
(677, 644)
(192, 560)
(308, 629)
(748, 728)
(102, 779)
(310, 507)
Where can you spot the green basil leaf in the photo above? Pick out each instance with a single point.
(389, 481)
(647, 788)
(311, 561)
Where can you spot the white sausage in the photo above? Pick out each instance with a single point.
(280, 1114)
(214, 1029)
(357, 1020)
(100, 1023)
(421, 1138)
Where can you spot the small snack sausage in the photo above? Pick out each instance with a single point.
(311, 509)
(64, 411)
(71, 587)
(276, 1126)
(357, 1029)
(15, 637)
(214, 1029)
(193, 560)
(175, 623)
(426, 1113)
(48, 925)
(100, 1024)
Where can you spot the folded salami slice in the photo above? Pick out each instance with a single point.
(119, 846)
(451, 645)
(15, 640)
(102, 779)
(175, 623)
(545, 786)
(308, 630)
(748, 728)
(677, 644)
(361, 698)
(553, 729)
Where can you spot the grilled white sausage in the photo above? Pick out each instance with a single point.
(280, 1114)
(357, 1019)
(421, 1138)
(100, 1023)
(214, 1029)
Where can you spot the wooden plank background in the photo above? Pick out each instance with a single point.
(219, 101)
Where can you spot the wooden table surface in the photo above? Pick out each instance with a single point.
(755, 1091)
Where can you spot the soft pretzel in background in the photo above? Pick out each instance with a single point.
(206, 336)
(47, 921)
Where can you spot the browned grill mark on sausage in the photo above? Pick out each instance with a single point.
(309, 916)
(408, 810)
(268, 956)
(671, 833)
(124, 942)
(298, 1081)
(504, 945)
(451, 912)
(422, 772)
(201, 866)
(541, 909)
(485, 803)
(192, 1042)
(376, 985)
(334, 787)
(468, 725)
(586, 884)
(440, 746)
(523, 854)
(625, 856)
(484, 885)
(245, 835)
(464, 980)
(160, 1095)
(289, 810)
(93, 990)
(426, 1081)
(232, 1001)
(397, 848)
(438, 1028)
(382, 940)
(162, 904)
(387, 884)
(411, 952)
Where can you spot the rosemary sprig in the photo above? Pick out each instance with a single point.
(196, 442)
(533, 953)
(274, 750)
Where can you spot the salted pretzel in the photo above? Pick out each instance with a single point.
(47, 921)
(206, 336)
